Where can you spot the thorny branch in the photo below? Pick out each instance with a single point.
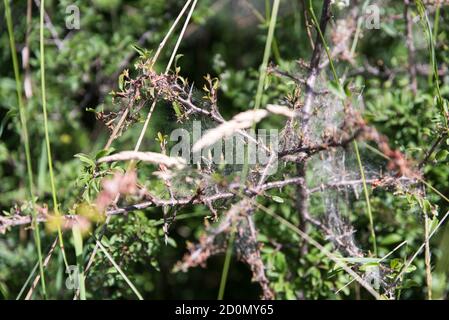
(306, 108)
(168, 88)
(19, 218)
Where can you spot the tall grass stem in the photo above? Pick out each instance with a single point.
(26, 142)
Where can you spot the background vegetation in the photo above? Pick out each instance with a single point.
(226, 39)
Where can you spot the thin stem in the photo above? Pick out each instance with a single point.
(429, 236)
(47, 138)
(153, 106)
(258, 100)
(152, 63)
(428, 185)
(266, 54)
(436, 23)
(28, 280)
(338, 261)
(427, 256)
(167, 69)
(379, 261)
(367, 199)
(326, 48)
(37, 278)
(431, 43)
(180, 37)
(25, 138)
(412, 258)
(116, 266)
(431, 150)
(170, 31)
(263, 73)
(355, 41)
(227, 262)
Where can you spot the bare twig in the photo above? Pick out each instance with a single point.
(431, 151)
(18, 220)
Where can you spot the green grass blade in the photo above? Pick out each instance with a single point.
(47, 138)
(336, 259)
(227, 262)
(257, 103)
(266, 54)
(263, 74)
(116, 266)
(326, 48)
(25, 138)
(28, 280)
(433, 62)
(367, 198)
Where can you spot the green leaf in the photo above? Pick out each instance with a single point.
(442, 155)
(171, 242)
(427, 207)
(396, 264)
(10, 114)
(85, 158)
(121, 80)
(177, 109)
(347, 89)
(410, 269)
(434, 224)
(139, 50)
(177, 68)
(277, 199)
